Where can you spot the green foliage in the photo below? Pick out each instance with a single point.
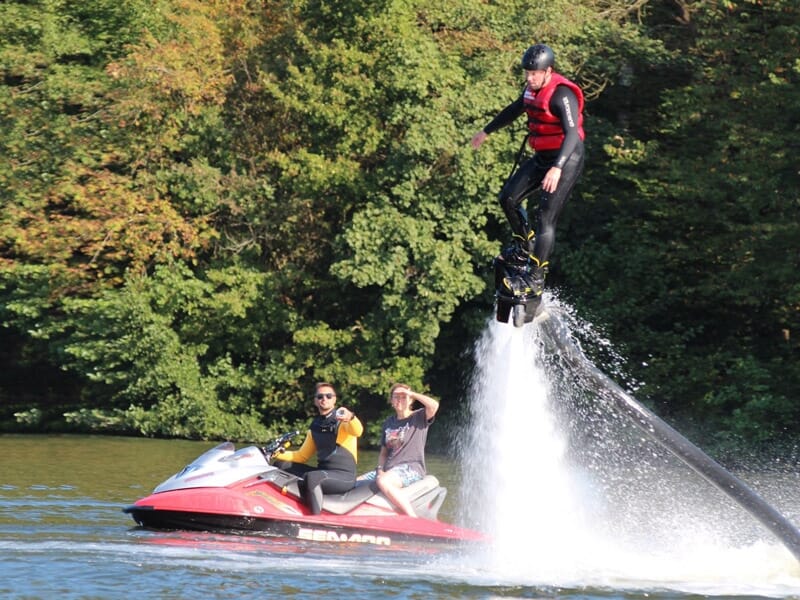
(143, 347)
(704, 234)
(208, 206)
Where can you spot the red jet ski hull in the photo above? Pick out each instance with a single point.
(256, 506)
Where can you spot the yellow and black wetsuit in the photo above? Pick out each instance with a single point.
(335, 443)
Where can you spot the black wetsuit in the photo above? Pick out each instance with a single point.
(335, 472)
(528, 177)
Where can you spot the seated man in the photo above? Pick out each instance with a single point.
(333, 437)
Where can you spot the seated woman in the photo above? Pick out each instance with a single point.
(401, 461)
(333, 437)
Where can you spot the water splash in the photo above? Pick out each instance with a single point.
(575, 494)
(516, 443)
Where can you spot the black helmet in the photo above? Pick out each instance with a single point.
(538, 57)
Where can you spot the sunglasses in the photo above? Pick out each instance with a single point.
(326, 395)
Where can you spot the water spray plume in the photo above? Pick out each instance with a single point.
(572, 475)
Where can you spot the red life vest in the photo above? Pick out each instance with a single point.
(545, 127)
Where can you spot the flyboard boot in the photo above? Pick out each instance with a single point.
(518, 253)
(512, 259)
(537, 274)
(519, 280)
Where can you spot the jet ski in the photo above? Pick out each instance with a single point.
(226, 490)
(515, 296)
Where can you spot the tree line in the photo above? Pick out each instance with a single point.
(210, 205)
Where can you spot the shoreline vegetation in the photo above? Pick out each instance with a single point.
(209, 206)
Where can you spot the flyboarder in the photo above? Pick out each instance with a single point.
(554, 108)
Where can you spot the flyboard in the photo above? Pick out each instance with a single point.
(515, 298)
(557, 332)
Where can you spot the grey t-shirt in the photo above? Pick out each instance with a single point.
(405, 440)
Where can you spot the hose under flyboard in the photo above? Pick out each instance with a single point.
(554, 327)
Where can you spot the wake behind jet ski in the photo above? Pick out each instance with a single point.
(239, 491)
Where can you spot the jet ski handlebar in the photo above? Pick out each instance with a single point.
(278, 444)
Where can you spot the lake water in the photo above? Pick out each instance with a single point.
(579, 505)
(62, 534)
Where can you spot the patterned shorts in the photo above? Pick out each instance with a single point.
(406, 474)
(404, 471)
